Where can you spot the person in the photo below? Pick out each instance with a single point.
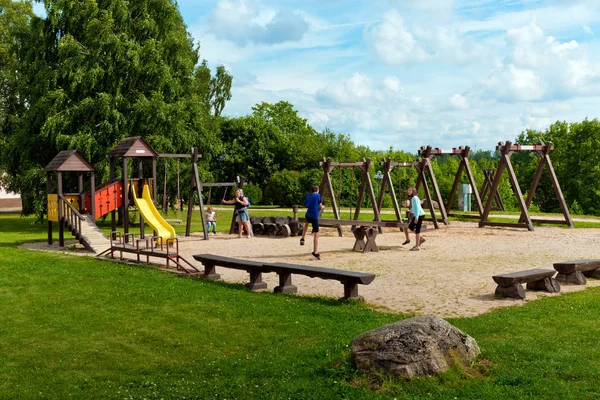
(241, 212)
(314, 206)
(211, 220)
(416, 216)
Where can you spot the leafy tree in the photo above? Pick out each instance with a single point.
(283, 188)
(101, 71)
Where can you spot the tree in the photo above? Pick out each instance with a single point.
(101, 71)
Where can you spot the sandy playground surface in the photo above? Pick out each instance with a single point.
(451, 276)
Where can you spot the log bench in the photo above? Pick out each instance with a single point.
(575, 272)
(254, 268)
(349, 279)
(365, 232)
(509, 285)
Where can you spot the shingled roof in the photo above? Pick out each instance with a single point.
(133, 147)
(69, 160)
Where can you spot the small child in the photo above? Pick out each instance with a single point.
(211, 220)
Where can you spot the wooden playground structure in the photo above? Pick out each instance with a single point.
(543, 150)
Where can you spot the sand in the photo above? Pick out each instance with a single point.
(450, 276)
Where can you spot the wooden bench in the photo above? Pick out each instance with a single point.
(509, 285)
(349, 279)
(365, 232)
(575, 272)
(254, 268)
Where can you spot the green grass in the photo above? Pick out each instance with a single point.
(75, 327)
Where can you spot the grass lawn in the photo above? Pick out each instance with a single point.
(75, 327)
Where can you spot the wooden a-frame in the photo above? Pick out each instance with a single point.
(463, 155)
(488, 175)
(326, 188)
(386, 182)
(525, 220)
(426, 153)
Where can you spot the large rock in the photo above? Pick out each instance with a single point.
(413, 347)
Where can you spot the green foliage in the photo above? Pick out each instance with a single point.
(576, 162)
(575, 208)
(102, 71)
(254, 193)
(283, 188)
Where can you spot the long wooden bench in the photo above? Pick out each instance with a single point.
(349, 279)
(365, 232)
(509, 285)
(576, 271)
(254, 268)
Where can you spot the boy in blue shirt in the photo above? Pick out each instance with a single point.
(314, 205)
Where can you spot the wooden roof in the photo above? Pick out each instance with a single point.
(132, 147)
(69, 160)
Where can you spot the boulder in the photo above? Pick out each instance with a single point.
(420, 346)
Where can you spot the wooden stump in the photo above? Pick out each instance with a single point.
(592, 274)
(359, 236)
(549, 285)
(575, 278)
(515, 291)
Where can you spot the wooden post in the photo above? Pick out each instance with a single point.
(164, 205)
(125, 201)
(139, 194)
(49, 189)
(463, 156)
(154, 182)
(557, 189)
(113, 213)
(240, 185)
(327, 187)
(80, 193)
(61, 228)
(366, 184)
(92, 212)
(425, 167)
(387, 180)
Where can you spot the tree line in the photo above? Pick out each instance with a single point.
(91, 73)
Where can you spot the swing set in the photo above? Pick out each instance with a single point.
(196, 186)
(326, 188)
(543, 150)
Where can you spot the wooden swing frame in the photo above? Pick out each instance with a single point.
(196, 186)
(488, 175)
(525, 220)
(326, 188)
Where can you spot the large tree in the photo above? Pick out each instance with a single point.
(99, 71)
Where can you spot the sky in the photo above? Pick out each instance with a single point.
(407, 73)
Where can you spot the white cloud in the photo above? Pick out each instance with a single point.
(539, 67)
(588, 30)
(459, 102)
(235, 21)
(393, 42)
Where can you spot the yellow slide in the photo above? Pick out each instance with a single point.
(151, 216)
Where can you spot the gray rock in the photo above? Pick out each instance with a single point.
(413, 347)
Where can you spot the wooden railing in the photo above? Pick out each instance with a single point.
(68, 214)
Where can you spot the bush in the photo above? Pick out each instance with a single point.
(283, 188)
(254, 193)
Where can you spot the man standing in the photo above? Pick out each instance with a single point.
(314, 204)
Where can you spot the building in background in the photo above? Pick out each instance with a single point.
(9, 201)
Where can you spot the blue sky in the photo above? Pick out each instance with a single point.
(406, 73)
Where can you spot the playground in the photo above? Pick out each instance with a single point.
(450, 277)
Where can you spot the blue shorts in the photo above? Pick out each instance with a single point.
(242, 217)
